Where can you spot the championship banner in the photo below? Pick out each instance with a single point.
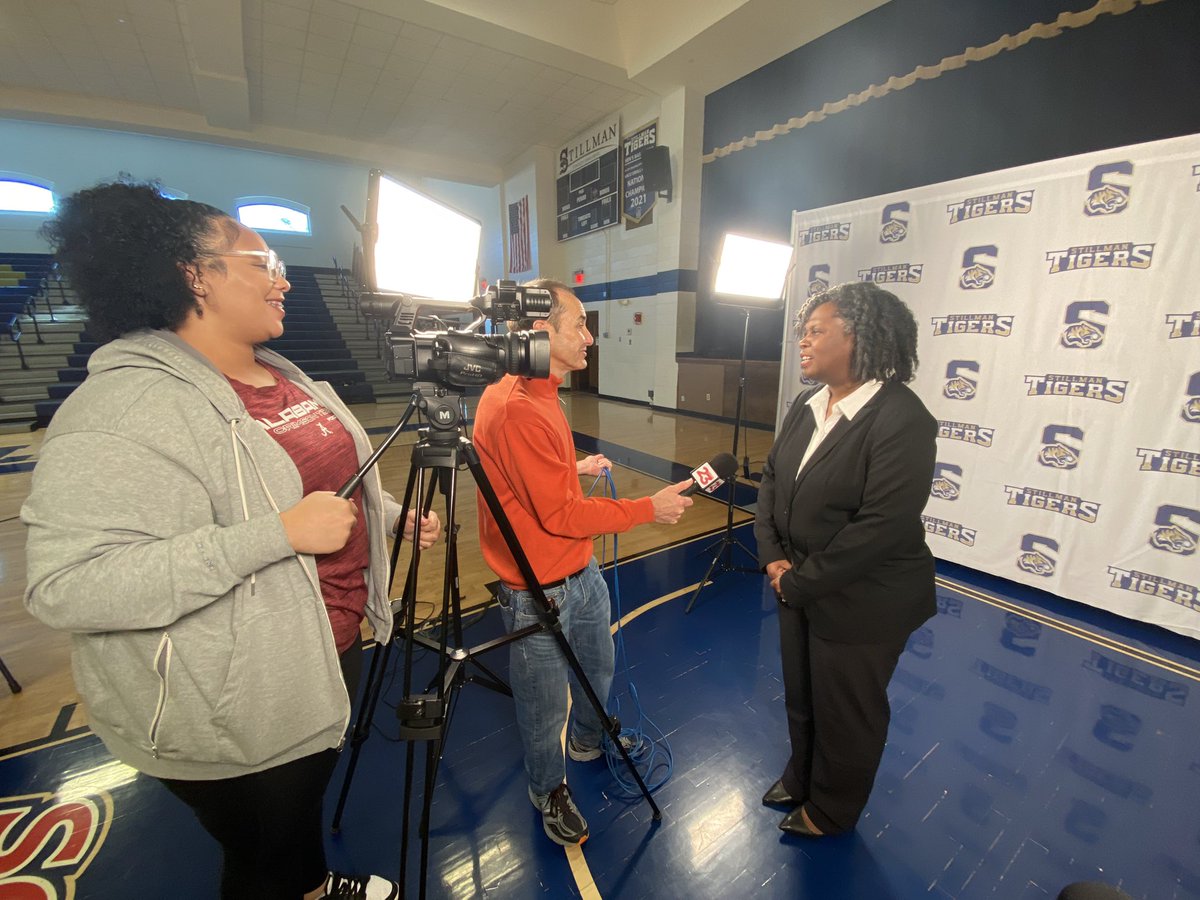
(589, 180)
(1059, 314)
(636, 202)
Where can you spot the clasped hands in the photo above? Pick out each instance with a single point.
(775, 572)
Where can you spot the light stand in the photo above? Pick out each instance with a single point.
(751, 275)
(722, 548)
(444, 449)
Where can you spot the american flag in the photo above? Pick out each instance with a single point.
(518, 236)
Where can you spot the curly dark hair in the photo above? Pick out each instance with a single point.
(124, 248)
(885, 332)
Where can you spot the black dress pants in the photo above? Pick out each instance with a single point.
(838, 714)
(270, 823)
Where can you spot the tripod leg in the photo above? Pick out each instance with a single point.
(549, 614)
(410, 755)
(13, 684)
(703, 581)
(362, 725)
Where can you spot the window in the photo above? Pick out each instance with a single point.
(273, 214)
(24, 194)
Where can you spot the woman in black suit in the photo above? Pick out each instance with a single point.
(840, 536)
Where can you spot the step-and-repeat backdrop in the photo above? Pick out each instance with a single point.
(1059, 315)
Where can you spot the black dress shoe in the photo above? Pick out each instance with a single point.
(793, 823)
(777, 795)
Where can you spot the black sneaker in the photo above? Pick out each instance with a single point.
(561, 818)
(350, 887)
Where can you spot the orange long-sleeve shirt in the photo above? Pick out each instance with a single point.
(528, 454)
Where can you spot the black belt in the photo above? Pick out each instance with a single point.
(553, 584)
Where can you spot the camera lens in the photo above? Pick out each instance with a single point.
(527, 353)
(378, 307)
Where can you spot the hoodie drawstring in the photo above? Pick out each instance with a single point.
(237, 464)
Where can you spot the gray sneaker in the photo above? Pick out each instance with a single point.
(580, 753)
(561, 818)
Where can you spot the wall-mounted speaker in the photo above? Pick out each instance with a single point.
(656, 165)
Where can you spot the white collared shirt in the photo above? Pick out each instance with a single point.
(846, 408)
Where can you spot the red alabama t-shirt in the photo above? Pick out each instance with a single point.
(324, 453)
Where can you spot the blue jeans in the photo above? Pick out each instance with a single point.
(539, 673)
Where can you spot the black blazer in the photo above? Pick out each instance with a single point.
(851, 522)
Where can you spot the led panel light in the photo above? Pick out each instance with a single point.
(752, 272)
(421, 246)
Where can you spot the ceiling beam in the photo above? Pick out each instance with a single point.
(212, 36)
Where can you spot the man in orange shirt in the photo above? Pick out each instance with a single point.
(526, 449)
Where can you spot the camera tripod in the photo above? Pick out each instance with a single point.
(442, 450)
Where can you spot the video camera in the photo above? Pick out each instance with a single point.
(416, 248)
(458, 357)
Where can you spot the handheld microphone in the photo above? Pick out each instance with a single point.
(711, 475)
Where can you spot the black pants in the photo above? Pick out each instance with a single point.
(269, 824)
(838, 714)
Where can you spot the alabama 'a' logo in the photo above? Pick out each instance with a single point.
(47, 844)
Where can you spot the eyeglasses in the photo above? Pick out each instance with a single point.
(276, 269)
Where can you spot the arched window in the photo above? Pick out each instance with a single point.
(25, 194)
(273, 214)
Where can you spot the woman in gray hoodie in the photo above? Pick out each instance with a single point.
(183, 526)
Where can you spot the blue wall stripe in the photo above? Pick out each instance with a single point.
(643, 286)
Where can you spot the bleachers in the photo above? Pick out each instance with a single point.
(24, 281)
(313, 339)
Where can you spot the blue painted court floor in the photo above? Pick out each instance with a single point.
(1034, 743)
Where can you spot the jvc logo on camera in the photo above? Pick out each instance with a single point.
(895, 223)
(1170, 532)
(947, 481)
(1038, 555)
(959, 386)
(1085, 325)
(1061, 446)
(1108, 188)
(979, 267)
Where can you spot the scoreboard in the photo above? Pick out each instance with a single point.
(589, 181)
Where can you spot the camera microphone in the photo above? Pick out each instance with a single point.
(711, 475)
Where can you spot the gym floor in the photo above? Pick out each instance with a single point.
(1035, 742)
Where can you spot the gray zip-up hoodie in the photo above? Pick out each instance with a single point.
(201, 645)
